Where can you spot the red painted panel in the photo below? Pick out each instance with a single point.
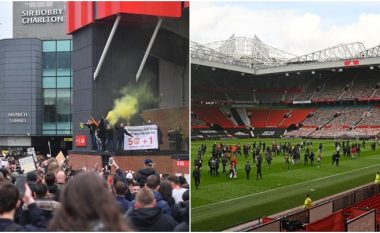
(79, 14)
(164, 9)
(183, 163)
(355, 62)
(80, 140)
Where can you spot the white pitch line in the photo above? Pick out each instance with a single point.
(276, 189)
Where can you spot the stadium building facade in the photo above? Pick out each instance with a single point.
(36, 79)
(119, 45)
(47, 73)
(331, 93)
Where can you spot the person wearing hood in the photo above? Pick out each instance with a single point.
(146, 216)
(143, 174)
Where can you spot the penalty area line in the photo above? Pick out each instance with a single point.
(284, 187)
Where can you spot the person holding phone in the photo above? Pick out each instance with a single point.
(10, 200)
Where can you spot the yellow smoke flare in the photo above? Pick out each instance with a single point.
(128, 105)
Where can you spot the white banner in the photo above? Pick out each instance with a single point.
(144, 137)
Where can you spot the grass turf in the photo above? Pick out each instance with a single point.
(221, 202)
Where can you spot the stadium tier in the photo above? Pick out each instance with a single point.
(212, 115)
(328, 103)
(322, 122)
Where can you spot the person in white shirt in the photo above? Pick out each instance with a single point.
(177, 190)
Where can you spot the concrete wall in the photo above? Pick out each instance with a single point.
(20, 87)
(45, 31)
(164, 164)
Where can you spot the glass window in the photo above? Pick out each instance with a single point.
(48, 132)
(57, 83)
(64, 64)
(49, 126)
(64, 105)
(68, 132)
(48, 82)
(49, 64)
(48, 46)
(64, 82)
(49, 96)
(63, 46)
(63, 125)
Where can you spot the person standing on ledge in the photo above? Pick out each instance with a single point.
(93, 126)
(120, 131)
(308, 202)
(109, 143)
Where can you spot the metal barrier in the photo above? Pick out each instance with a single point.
(338, 203)
(301, 215)
(320, 211)
(274, 226)
(343, 201)
(355, 196)
(364, 222)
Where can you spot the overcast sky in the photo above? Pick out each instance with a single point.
(5, 20)
(296, 27)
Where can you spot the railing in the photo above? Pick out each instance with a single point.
(341, 202)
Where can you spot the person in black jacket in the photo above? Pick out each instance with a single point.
(109, 142)
(120, 131)
(102, 134)
(142, 174)
(9, 201)
(91, 124)
(197, 176)
(259, 161)
(120, 189)
(247, 169)
(146, 216)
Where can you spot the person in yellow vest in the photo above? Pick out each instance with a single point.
(377, 179)
(308, 202)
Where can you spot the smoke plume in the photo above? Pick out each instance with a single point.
(128, 105)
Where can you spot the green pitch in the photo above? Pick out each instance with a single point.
(221, 202)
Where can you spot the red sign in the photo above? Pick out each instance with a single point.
(355, 62)
(80, 140)
(182, 163)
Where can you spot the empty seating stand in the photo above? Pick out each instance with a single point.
(212, 115)
(258, 117)
(296, 117)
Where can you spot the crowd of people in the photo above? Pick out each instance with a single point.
(223, 155)
(105, 137)
(92, 199)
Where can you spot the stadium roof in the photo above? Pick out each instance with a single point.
(251, 55)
